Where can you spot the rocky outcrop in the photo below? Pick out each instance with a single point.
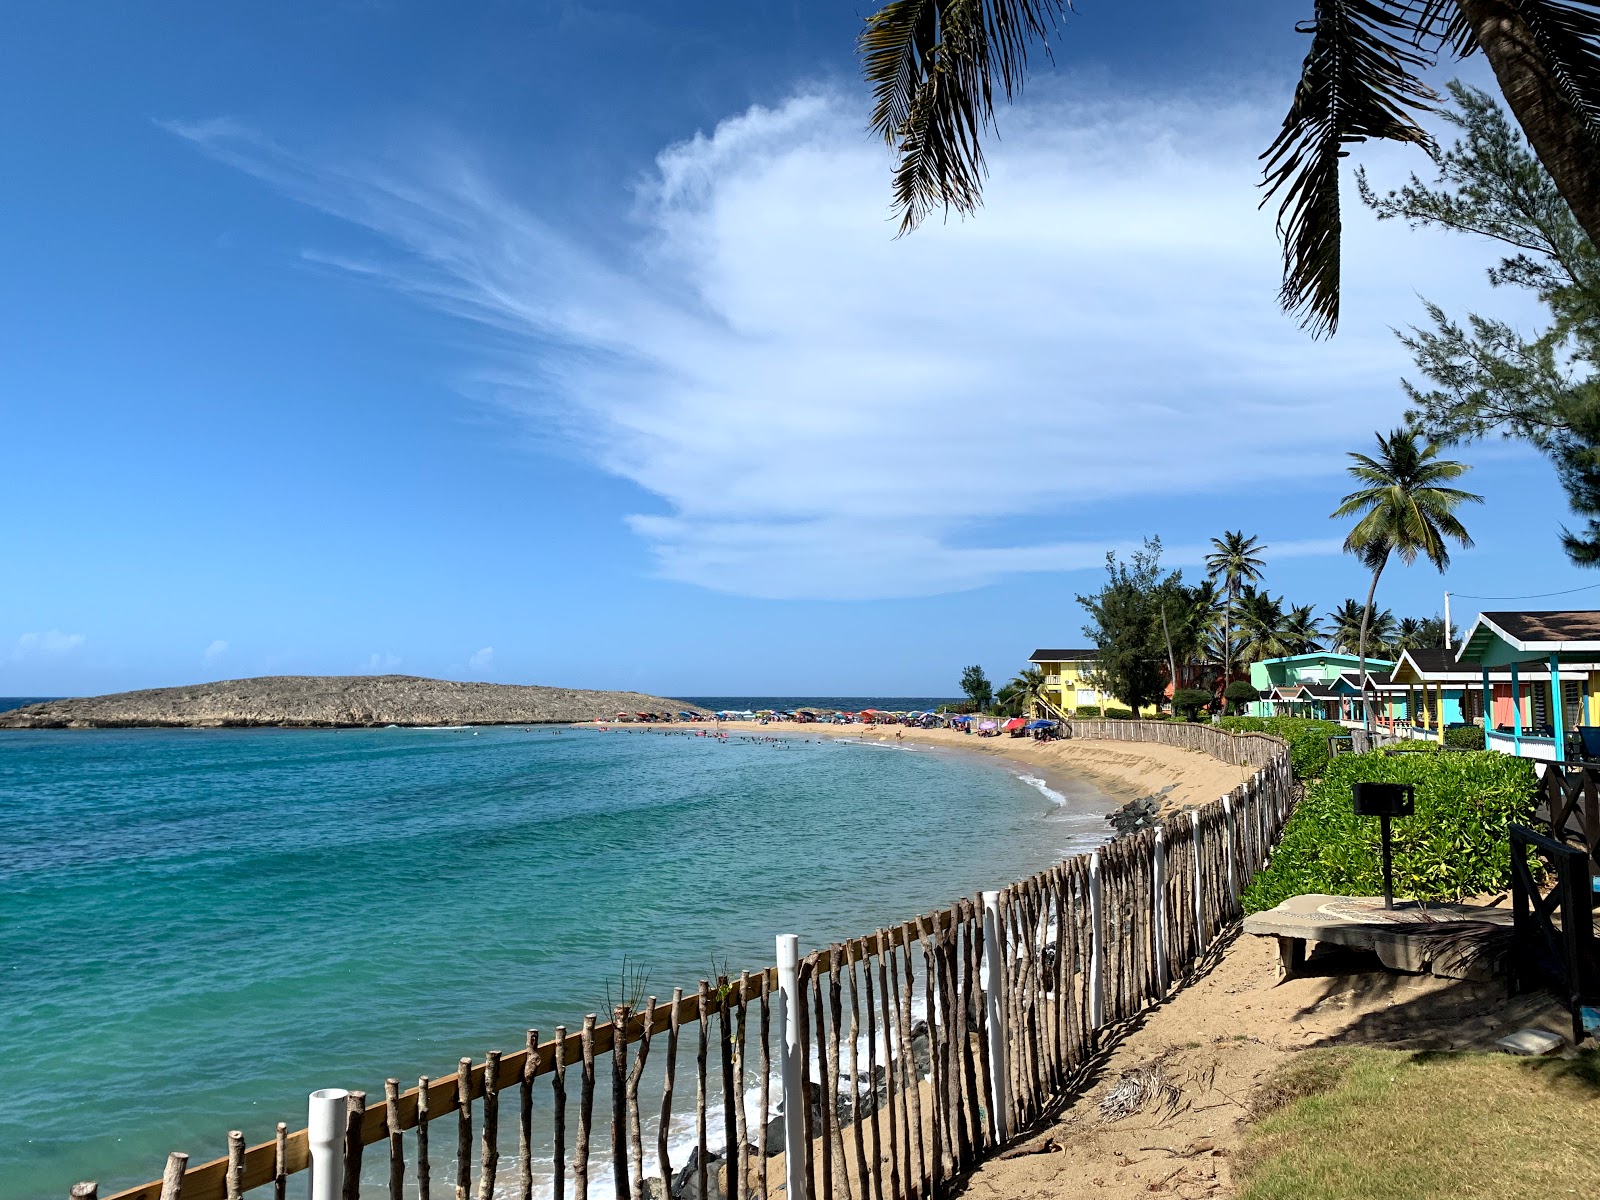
(335, 701)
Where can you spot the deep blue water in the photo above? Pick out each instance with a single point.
(201, 926)
(9, 702)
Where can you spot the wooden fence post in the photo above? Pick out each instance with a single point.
(1158, 885)
(1097, 947)
(1233, 871)
(791, 1064)
(1200, 938)
(993, 979)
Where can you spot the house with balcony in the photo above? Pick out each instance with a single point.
(1540, 673)
(1066, 682)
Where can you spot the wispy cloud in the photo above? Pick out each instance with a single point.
(825, 410)
(50, 642)
(381, 664)
(482, 661)
(215, 651)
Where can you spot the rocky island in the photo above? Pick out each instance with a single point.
(335, 702)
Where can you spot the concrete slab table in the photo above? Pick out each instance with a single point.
(1455, 941)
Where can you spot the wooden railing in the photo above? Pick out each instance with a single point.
(1016, 989)
(1570, 793)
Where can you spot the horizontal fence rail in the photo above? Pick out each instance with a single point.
(882, 1068)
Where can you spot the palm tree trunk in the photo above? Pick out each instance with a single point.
(1227, 643)
(1172, 659)
(1541, 107)
(1361, 650)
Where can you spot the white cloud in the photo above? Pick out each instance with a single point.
(482, 661)
(382, 664)
(825, 410)
(33, 645)
(215, 651)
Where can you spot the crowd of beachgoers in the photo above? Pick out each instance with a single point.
(982, 726)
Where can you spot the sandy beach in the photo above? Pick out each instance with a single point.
(1123, 770)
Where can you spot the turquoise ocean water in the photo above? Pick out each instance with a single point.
(199, 927)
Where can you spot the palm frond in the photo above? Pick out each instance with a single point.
(934, 67)
(1358, 82)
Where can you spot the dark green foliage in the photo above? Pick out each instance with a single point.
(1308, 739)
(977, 687)
(1239, 693)
(1456, 845)
(1464, 737)
(1187, 702)
(1091, 712)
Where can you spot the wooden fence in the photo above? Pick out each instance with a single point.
(917, 1050)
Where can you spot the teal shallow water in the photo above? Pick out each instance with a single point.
(199, 927)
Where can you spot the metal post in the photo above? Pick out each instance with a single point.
(1199, 884)
(994, 967)
(1388, 862)
(325, 1137)
(1233, 870)
(790, 1066)
(1159, 882)
(1097, 949)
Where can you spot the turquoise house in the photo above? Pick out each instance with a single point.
(1319, 684)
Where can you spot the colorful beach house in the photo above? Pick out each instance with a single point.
(1320, 684)
(1066, 682)
(1542, 672)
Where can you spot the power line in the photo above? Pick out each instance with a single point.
(1536, 596)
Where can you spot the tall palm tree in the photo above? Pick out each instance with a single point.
(935, 67)
(1235, 560)
(1019, 695)
(1410, 634)
(1402, 508)
(1261, 626)
(1301, 630)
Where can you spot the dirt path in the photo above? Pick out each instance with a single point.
(1215, 1042)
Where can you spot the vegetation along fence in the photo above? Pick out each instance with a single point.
(912, 1052)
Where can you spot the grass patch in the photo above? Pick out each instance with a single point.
(1399, 1125)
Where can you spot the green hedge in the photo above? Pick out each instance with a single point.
(1308, 739)
(1092, 712)
(1464, 737)
(1456, 845)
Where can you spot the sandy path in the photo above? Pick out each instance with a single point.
(1216, 1040)
(1123, 770)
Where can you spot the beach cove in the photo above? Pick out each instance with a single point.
(1122, 770)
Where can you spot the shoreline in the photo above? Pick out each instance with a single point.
(1123, 771)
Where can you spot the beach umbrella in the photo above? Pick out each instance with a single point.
(1016, 723)
(987, 725)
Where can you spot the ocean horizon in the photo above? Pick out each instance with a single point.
(205, 925)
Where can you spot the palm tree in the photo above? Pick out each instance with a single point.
(935, 67)
(1301, 630)
(1409, 635)
(1236, 560)
(1261, 620)
(1403, 508)
(1026, 687)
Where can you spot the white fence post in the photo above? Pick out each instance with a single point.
(1233, 871)
(790, 1066)
(325, 1137)
(1097, 949)
(994, 969)
(1159, 883)
(1200, 938)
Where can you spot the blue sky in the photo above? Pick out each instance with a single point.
(569, 343)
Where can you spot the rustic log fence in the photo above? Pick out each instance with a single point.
(910, 1053)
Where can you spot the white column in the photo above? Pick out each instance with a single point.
(994, 968)
(790, 1066)
(325, 1137)
(1159, 881)
(1097, 950)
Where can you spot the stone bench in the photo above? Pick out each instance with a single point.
(1455, 941)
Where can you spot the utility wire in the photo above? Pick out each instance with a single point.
(1536, 596)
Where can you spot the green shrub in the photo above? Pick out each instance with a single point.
(1187, 702)
(1307, 738)
(1086, 712)
(1239, 693)
(1091, 712)
(1456, 845)
(1464, 737)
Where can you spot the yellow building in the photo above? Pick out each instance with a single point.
(1065, 684)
